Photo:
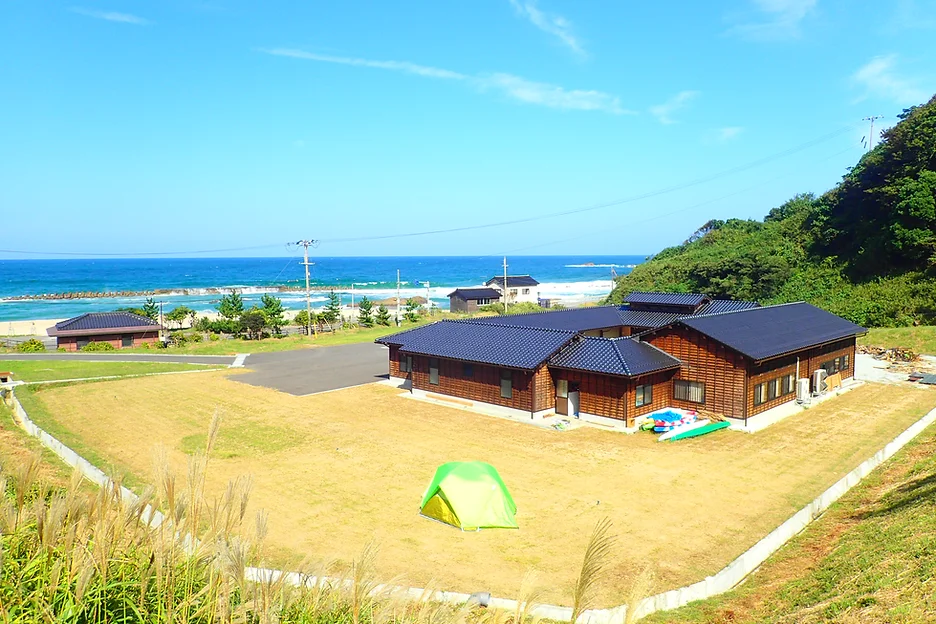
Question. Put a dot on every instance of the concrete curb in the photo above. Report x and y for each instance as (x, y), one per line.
(723, 581)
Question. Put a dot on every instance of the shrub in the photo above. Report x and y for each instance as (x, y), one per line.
(93, 346)
(178, 339)
(196, 337)
(214, 337)
(203, 324)
(33, 345)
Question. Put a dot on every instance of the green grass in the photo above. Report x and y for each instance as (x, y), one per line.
(51, 370)
(30, 397)
(287, 343)
(920, 339)
(15, 444)
(870, 558)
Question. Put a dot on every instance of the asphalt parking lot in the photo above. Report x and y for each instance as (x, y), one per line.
(308, 371)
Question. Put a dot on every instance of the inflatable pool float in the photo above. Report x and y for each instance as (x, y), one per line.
(694, 433)
(681, 429)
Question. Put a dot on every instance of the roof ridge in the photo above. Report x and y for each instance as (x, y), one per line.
(474, 322)
(751, 309)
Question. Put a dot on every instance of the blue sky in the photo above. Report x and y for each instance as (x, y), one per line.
(135, 126)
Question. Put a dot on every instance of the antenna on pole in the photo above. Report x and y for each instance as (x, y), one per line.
(305, 244)
(871, 131)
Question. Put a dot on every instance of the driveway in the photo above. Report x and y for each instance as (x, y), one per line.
(221, 360)
(307, 371)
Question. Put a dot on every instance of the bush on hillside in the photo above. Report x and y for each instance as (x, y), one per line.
(33, 345)
(524, 307)
(93, 347)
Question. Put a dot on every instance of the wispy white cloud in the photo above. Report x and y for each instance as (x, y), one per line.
(555, 25)
(111, 16)
(514, 87)
(879, 78)
(723, 135)
(664, 112)
(773, 20)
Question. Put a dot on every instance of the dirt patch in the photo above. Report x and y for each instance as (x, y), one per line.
(355, 464)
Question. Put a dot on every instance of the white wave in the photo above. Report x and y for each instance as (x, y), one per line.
(599, 266)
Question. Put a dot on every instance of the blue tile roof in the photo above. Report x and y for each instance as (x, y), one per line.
(475, 293)
(625, 357)
(576, 319)
(771, 331)
(646, 318)
(717, 306)
(484, 343)
(105, 321)
(512, 280)
(660, 298)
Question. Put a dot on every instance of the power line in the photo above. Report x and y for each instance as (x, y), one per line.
(670, 189)
(138, 253)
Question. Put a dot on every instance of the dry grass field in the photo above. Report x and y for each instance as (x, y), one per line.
(339, 469)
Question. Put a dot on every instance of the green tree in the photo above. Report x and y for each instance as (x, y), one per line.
(150, 309)
(365, 319)
(252, 323)
(179, 314)
(412, 311)
(231, 306)
(272, 309)
(332, 311)
(383, 315)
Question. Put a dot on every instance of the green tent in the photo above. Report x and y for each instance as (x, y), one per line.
(470, 496)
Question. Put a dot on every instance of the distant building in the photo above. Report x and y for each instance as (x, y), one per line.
(121, 329)
(520, 288)
(470, 299)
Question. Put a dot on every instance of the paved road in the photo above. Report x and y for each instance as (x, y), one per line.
(308, 371)
(223, 360)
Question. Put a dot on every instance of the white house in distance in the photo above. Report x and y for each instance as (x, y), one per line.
(520, 288)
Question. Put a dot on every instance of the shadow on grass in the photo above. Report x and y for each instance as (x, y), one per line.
(915, 492)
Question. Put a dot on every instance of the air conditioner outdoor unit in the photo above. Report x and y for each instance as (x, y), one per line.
(802, 391)
(818, 381)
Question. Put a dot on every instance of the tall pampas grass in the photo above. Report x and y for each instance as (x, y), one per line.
(594, 565)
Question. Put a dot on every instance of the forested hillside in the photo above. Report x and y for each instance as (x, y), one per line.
(865, 249)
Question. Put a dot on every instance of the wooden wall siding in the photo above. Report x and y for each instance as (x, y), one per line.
(461, 305)
(722, 370)
(70, 343)
(662, 394)
(395, 362)
(609, 332)
(809, 361)
(482, 386)
(601, 395)
(544, 390)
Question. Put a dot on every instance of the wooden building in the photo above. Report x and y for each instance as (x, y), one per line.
(617, 363)
(120, 329)
(471, 299)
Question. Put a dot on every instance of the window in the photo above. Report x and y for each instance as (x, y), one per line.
(506, 379)
(832, 366)
(82, 342)
(759, 392)
(434, 371)
(787, 385)
(772, 389)
(467, 370)
(562, 389)
(484, 302)
(692, 391)
(126, 341)
(406, 363)
(526, 291)
(845, 362)
(644, 395)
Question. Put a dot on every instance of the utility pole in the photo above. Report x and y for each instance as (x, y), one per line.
(428, 301)
(871, 131)
(307, 264)
(505, 284)
(398, 297)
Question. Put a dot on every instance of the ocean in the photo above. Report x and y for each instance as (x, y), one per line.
(195, 282)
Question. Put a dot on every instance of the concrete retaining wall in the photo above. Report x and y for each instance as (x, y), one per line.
(721, 582)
